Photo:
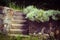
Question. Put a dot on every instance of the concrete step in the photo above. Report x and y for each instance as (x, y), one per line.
(18, 35)
(16, 27)
(18, 14)
(18, 21)
(18, 17)
(18, 24)
(16, 30)
(20, 27)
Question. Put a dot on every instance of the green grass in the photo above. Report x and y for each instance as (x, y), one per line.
(31, 37)
(15, 7)
(6, 37)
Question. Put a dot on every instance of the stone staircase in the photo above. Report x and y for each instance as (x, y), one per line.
(18, 24)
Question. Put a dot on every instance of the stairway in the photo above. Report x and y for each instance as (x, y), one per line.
(18, 23)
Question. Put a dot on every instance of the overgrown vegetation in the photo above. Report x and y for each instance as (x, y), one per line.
(40, 15)
(14, 6)
(31, 37)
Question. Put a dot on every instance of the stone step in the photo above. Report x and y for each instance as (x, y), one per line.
(18, 24)
(18, 14)
(16, 27)
(18, 17)
(20, 27)
(19, 30)
(18, 21)
(16, 35)
(16, 31)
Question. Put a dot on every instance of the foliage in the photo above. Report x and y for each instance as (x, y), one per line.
(34, 14)
(14, 6)
(31, 37)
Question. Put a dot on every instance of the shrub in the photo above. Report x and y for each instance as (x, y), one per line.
(40, 15)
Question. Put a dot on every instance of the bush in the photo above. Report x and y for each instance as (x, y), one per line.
(40, 15)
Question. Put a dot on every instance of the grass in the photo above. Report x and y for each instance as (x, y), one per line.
(31, 37)
(6, 37)
(26, 37)
(15, 7)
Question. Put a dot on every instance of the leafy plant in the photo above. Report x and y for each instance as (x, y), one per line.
(34, 14)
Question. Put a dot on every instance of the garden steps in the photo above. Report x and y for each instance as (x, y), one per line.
(17, 22)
